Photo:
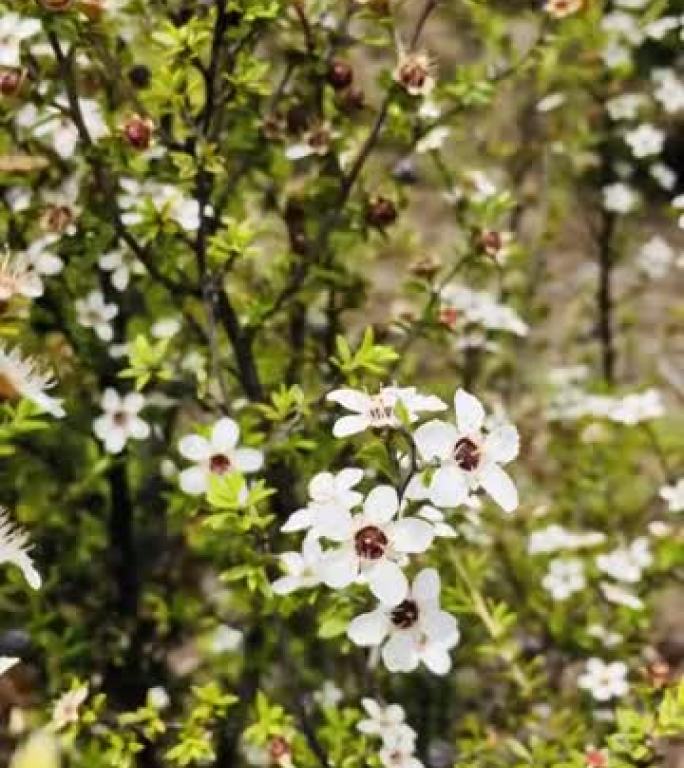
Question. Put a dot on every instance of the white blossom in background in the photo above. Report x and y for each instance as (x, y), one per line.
(673, 495)
(54, 126)
(619, 198)
(379, 410)
(374, 545)
(413, 631)
(646, 140)
(608, 639)
(435, 517)
(468, 458)
(157, 697)
(7, 662)
(398, 750)
(638, 407)
(14, 29)
(564, 578)
(669, 90)
(95, 312)
(433, 140)
(551, 102)
(25, 377)
(655, 258)
(18, 278)
(215, 456)
(328, 695)
(166, 327)
(225, 639)
(66, 710)
(626, 563)
(329, 494)
(622, 27)
(658, 29)
(120, 265)
(620, 596)
(41, 260)
(604, 681)
(626, 106)
(481, 308)
(301, 569)
(120, 421)
(18, 198)
(14, 549)
(664, 176)
(381, 719)
(169, 201)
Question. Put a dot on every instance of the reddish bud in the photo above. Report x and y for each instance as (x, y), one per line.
(138, 132)
(340, 74)
(381, 212)
(11, 80)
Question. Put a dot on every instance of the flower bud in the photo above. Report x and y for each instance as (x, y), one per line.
(351, 99)
(11, 80)
(381, 212)
(138, 131)
(340, 74)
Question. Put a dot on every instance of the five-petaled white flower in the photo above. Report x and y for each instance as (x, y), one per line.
(564, 578)
(215, 456)
(25, 377)
(328, 493)
(14, 549)
(301, 569)
(398, 749)
(120, 421)
(415, 629)
(645, 140)
(14, 29)
(381, 719)
(67, 707)
(626, 563)
(619, 198)
(468, 458)
(96, 313)
(674, 495)
(374, 546)
(604, 681)
(379, 410)
(120, 266)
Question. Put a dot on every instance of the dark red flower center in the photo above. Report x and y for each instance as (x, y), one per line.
(467, 454)
(120, 418)
(370, 542)
(220, 464)
(413, 74)
(405, 615)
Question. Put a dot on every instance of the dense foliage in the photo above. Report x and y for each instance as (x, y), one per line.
(341, 420)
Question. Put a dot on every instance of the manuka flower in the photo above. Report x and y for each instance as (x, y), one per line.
(604, 681)
(301, 569)
(215, 456)
(379, 410)
(96, 313)
(120, 421)
(374, 546)
(564, 578)
(412, 631)
(18, 278)
(14, 549)
(24, 377)
(468, 457)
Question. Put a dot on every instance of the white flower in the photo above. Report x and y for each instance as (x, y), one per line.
(24, 377)
(554, 538)
(619, 198)
(18, 198)
(374, 546)
(550, 102)
(609, 639)
(59, 129)
(379, 410)
(120, 421)
(660, 28)
(433, 140)
(165, 328)
(637, 407)
(329, 493)
(614, 54)
(301, 569)
(604, 681)
(559, 9)
(67, 706)
(625, 106)
(435, 517)
(468, 458)
(157, 697)
(167, 200)
(7, 662)
(645, 140)
(632, 5)
(564, 578)
(94, 312)
(626, 563)
(381, 719)
(120, 265)
(414, 72)
(615, 594)
(481, 308)
(18, 278)
(14, 29)
(664, 175)
(215, 456)
(328, 695)
(622, 26)
(398, 750)
(415, 629)
(669, 90)
(40, 259)
(14, 549)
(674, 495)
(655, 257)
(225, 639)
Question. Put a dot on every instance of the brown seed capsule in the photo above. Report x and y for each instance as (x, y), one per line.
(352, 99)
(57, 218)
(381, 212)
(138, 131)
(340, 74)
(11, 80)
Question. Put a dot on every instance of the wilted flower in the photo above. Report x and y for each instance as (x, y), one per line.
(415, 73)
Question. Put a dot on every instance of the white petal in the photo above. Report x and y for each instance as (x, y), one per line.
(469, 412)
(286, 584)
(399, 653)
(369, 628)
(248, 459)
(499, 486)
(334, 523)
(338, 569)
(224, 435)
(411, 535)
(441, 627)
(322, 485)
(449, 486)
(351, 399)
(299, 521)
(28, 569)
(436, 658)
(436, 439)
(349, 425)
(193, 480)
(133, 402)
(194, 448)
(426, 586)
(348, 478)
(110, 400)
(502, 445)
(139, 429)
(387, 582)
(7, 662)
(381, 504)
